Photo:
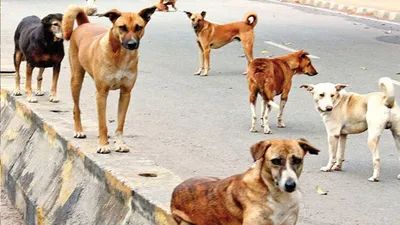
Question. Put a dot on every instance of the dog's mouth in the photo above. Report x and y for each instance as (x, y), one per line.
(327, 110)
(311, 74)
(58, 36)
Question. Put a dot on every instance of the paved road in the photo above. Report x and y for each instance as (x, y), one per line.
(199, 125)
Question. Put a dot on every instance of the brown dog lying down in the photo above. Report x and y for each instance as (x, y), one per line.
(213, 36)
(265, 194)
(162, 5)
(272, 77)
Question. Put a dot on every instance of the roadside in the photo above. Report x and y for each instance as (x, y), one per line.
(9, 215)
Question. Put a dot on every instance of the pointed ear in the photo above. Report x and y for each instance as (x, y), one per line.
(113, 15)
(203, 14)
(309, 87)
(189, 14)
(302, 54)
(340, 87)
(147, 13)
(258, 150)
(307, 147)
(47, 19)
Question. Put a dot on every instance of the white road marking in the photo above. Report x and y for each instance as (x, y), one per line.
(287, 48)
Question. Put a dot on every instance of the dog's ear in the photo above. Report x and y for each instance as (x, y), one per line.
(258, 149)
(307, 147)
(47, 19)
(58, 16)
(147, 13)
(113, 15)
(309, 87)
(302, 54)
(340, 87)
(203, 14)
(189, 14)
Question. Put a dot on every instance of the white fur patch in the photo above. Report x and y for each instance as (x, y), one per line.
(116, 79)
(286, 210)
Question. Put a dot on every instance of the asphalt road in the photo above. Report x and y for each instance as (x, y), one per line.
(200, 125)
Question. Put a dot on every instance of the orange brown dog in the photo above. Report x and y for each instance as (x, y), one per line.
(272, 77)
(213, 36)
(266, 194)
(110, 56)
(162, 5)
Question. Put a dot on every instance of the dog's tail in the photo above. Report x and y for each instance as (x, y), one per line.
(386, 85)
(73, 13)
(247, 19)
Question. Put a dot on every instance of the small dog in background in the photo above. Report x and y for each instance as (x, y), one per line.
(213, 36)
(162, 5)
(350, 113)
(272, 77)
(39, 42)
(265, 194)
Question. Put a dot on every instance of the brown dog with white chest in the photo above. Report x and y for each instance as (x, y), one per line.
(266, 194)
(213, 36)
(110, 57)
(272, 77)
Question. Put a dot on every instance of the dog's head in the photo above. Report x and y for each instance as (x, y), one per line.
(197, 20)
(128, 28)
(301, 63)
(325, 95)
(52, 22)
(282, 161)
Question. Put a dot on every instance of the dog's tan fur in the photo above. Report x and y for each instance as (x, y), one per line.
(272, 77)
(266, 194)
(350, 113)
(110, 57)
(162, 5)
(213, 36)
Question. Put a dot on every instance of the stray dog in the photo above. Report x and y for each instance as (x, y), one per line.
(272, 77)
(162, 5)
(350, 113)
(213, 36)
(40, 43)
(110, 56)
(265, 194)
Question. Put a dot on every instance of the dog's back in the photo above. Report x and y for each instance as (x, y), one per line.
(25, 29)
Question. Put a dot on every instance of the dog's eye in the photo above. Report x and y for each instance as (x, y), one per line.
(193, 19)
(322, 95)
(138, 28)
(296, 160)
(332, 95)
(123, 28)
(55, 24)
(277, 161)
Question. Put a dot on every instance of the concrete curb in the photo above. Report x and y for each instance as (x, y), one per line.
(362, 11)
(53, 180)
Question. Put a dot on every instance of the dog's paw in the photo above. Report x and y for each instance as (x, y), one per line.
(373, 179)
(326, 169)
(17, 93)
(204, 74)
(53, 99)
(39, 93)
(104, 149)
(32, 99)
(281, 125)
(253, 130)
(337, 167)
(198, 72)
(267, 131)
(244, 73)
(79, 135)
(122, 148)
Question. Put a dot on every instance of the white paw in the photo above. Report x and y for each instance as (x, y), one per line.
(398, 177)
(32, 99)
(39, 93)
(253, 130)
(281, 125)
(204, 74)
(79, 135)
(122, 147)
(104, 149)
(267, 131)
(326, 169)
(373, 179)
(198, 72)
(17, 93)
(337, 167)
(53, 99)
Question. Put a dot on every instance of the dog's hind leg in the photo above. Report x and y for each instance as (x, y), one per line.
(39, 79)
(340, 153)
(201, 56)
(77, 75)
(253, 100)
(28, 84)
(17, 63)
(267, 129)
(282, 104)
(396, 135)
(53, 93)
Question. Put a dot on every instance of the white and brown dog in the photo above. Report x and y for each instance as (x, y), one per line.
(350, 113)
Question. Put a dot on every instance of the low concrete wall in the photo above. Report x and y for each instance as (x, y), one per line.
(53, 180)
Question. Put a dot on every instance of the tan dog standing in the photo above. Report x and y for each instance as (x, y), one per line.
(272, 77)
(350, 113)
(266, 194)
(162, 5)
(110, 56)
(213, 36)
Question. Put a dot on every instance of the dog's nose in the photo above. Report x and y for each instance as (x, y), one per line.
(132, 44)
(329, 108)
(290, 185)
(315, 73)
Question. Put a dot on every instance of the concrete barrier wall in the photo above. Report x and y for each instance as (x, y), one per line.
(53, 182)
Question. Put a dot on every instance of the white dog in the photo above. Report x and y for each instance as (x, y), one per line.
(350, 113)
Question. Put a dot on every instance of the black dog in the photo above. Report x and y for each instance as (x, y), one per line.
(40, 43)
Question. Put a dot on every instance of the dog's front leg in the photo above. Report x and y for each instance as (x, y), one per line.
(333, 141)
(207, 51)
(28, 84)
(201, 56)
(53, 93)
(340, 153)
(101, 97)
(124, 99)
(39, 79)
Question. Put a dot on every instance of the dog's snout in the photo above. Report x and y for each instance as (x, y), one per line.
(195, 26)
(329, 108)
(316, 73)
(132, 44)
(290, 185)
